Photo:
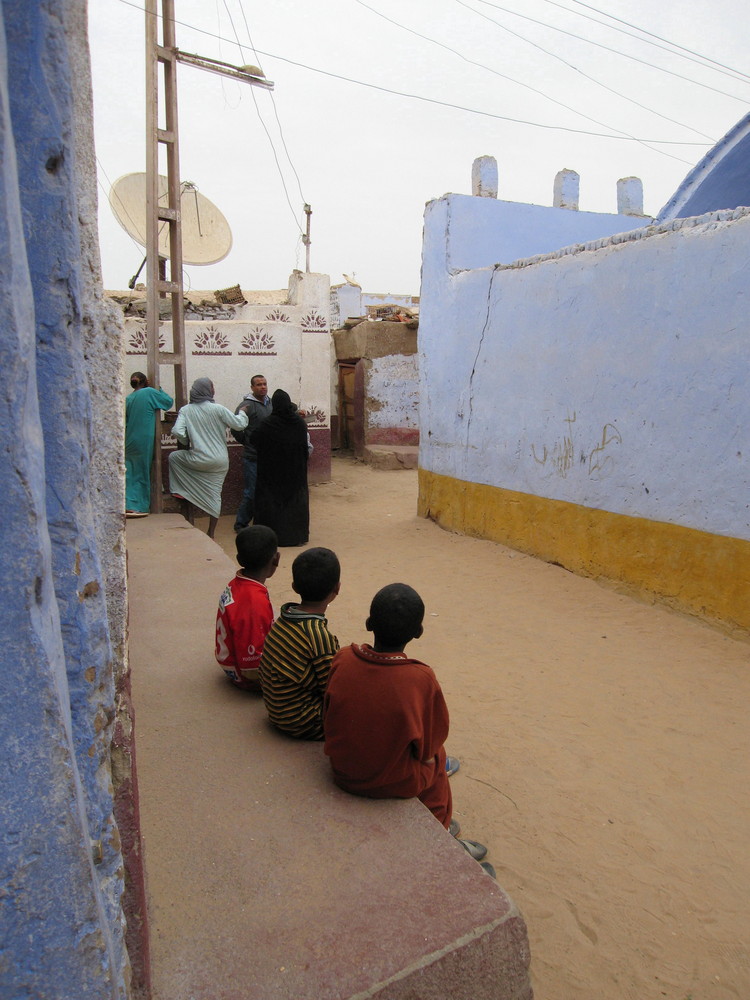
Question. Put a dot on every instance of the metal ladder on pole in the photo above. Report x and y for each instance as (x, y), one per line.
(165, 55)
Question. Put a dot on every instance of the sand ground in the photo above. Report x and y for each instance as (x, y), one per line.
(603, 744)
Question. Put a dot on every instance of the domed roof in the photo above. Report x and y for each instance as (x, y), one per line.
(720, 181)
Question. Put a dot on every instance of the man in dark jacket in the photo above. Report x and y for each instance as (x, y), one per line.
(257, 405)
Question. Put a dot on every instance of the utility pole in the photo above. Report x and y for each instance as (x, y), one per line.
(165, 55)
(306, 238)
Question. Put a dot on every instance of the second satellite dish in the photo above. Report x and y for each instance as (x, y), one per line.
(206, 236)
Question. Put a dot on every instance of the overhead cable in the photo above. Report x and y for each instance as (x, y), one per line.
(702, 60)
(601, 45)
(430, 100)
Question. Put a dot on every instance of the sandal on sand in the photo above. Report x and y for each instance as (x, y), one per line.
(455, 828)
(136, 513)
(452, 764)
(488, 868)
(474, 848)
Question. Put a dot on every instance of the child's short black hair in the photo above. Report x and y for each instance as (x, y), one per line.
(315, 573)
(256, 547)
(396, 615)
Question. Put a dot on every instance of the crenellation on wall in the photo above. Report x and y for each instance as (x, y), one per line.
(484, 182)
(566, 190)
(630, 196)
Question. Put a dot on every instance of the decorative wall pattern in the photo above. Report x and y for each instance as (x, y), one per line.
(277, 316)
(313, 322)
(137, 340)
(258, 342)
(316, 416)
(212, 341)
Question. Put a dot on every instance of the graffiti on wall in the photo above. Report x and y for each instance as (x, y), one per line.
(598, 458)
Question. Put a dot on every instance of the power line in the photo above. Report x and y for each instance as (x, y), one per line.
(600, 45)
(262, 122)
(700, 59)
(432, 100)
(275, 110)
(527, 86)
(576, 69)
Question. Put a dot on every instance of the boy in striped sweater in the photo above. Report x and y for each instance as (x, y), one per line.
(299, 648)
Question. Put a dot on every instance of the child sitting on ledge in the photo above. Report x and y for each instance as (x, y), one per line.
(245, 614)
(385, 716)
(299, 648)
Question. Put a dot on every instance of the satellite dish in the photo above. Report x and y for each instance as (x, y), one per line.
(206, 236)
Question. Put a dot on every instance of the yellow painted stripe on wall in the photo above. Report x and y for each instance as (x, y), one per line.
(693, 571)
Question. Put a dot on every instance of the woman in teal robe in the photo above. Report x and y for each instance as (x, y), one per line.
(141, 407)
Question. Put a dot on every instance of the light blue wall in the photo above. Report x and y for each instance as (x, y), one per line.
(612, 375)
(60, 864)
(484, 231)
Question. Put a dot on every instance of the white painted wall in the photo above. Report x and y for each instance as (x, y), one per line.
(289, 343)
(615, 376)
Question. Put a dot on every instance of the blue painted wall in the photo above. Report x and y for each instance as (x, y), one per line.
(60, 863)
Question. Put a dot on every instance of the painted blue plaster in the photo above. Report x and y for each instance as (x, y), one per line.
(611, 375)
(720, 181)
(60, 921)
(484, 232)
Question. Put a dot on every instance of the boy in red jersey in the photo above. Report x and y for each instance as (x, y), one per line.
(245, 615)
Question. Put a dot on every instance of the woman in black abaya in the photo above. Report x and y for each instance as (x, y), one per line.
(281, 498)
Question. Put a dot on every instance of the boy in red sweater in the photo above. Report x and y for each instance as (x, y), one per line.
(245, 615)
(385, 717)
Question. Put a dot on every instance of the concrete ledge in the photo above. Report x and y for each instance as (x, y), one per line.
(264, 879)
(391, 456)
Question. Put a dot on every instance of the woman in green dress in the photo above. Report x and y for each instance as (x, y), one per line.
(141, 407)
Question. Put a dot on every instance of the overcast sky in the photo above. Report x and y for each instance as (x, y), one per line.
(368, 160)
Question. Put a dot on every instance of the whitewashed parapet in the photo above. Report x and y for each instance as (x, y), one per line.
(710, 220)
(292, 352)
